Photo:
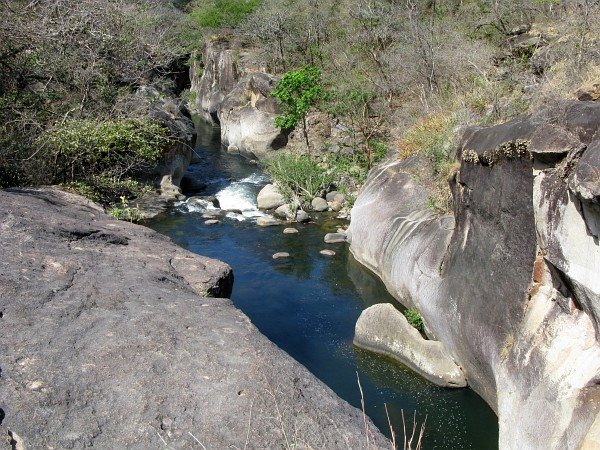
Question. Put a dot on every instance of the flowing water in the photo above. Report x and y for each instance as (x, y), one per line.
(308, 304)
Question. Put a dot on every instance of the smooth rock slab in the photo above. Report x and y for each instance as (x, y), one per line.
(111, 343)
(269, 197)
(334, 238)
(383, 329)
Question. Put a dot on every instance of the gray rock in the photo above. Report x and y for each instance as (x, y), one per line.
(383, 329)
(279, 255)
(302, 216)
(334, 206)
(233, 149)
(269, 197)
(327, 252)
(114, 344)
(212, 222)
(285, 212)
(509, 262)
(267, 221)
(290, 231)
(319, 204)
(334, 238)
(335, 196)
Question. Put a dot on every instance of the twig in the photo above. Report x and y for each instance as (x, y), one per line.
(196, 439)
(391, 428)
(161, 438)
(249, 422)
(362, 404)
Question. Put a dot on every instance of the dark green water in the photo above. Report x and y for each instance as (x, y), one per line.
(308, 305)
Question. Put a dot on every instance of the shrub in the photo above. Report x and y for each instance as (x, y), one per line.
(222, 13)
(299, 177)
(414, 319)
(83, 149)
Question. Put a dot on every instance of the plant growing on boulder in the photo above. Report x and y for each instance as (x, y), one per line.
(297, 91)
(415, 319)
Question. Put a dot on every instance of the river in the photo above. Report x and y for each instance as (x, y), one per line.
(308, 304)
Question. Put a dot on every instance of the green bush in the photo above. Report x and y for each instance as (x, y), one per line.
(298, 176)
(83, 149)
(414, 319)
(222, 13)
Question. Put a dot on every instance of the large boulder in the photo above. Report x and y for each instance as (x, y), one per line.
(269, 197)
(247, 117)
(508, 282)
(112, 341)
(383, 329)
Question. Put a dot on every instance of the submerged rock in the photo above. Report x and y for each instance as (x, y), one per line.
(212, 222)
(383, 329)
(279, 255)
(290, 231)
(334, 238)
(267, 221)
(327, 252)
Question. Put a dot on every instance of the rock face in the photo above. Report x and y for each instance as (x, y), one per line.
(383, 329)
(509, 282)
(110, 341)
(238, 101)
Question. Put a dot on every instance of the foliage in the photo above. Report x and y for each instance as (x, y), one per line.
(84, 148)
(124, 211)
(432, 137)
(298, 176)
(221, 13)
(107, 190)
(297, 91)
(415, 319)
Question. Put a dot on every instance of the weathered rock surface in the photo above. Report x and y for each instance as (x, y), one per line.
(108, 342)
(269, 197)
(383, 329)
(508, 283)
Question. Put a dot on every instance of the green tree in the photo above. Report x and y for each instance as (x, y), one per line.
(298, 91)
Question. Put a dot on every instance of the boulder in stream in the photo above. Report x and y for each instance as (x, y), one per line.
(383, 329)
(269, 197)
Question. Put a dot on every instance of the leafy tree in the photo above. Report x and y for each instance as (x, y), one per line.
(298, 91)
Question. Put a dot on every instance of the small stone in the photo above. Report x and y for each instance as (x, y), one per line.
(319, 204)
(335, 196)
(267, 221)
(35, 385)
(281, 255)
(211, 214)
(327, 252)
(290, 231)
(302, 216)
(335, 206)
(284, 211)
(212, 222)
(334, 238)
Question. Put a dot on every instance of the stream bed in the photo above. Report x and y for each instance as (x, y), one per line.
(308, 304)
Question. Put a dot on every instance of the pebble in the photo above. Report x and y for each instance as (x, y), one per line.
(327, 252)
(334, 238)
(281, 255)
(290, 231)
(212, 222)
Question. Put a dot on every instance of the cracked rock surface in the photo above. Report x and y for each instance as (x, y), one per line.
(109, 340)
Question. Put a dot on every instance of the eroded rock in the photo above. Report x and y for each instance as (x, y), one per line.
(383, 329)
